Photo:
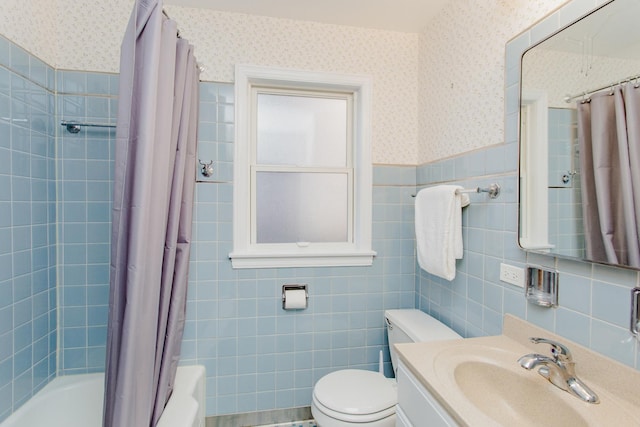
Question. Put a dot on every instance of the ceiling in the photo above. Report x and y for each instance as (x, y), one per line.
(409, 16)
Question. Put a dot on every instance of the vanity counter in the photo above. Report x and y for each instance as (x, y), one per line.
(479, 382)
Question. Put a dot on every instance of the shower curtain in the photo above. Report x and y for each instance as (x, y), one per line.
(609, 139)
(152, 214)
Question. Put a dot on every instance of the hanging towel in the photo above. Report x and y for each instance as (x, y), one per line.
(439, 229)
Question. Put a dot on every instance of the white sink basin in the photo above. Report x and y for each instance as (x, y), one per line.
(490, 385)
(510, 398)
(480, 383)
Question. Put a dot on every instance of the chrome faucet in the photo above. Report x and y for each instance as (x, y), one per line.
(559, 369)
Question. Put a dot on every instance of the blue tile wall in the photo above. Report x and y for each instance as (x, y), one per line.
(565, 200)
(594, 299)
(27, 227)
(54, 244)
(84, 186)
(562, 137)
(55, 191)
(258, 356)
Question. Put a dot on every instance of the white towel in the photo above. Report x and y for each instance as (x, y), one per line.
(439, 229)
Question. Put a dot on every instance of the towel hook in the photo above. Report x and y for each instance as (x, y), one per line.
(207, 168)
(493, 190)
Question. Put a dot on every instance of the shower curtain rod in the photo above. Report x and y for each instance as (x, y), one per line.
(200, 66)
(166, 15)
(570, 98)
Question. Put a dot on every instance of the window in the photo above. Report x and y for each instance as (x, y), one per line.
(302, 169)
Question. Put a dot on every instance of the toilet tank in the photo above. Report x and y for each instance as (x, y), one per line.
(411, 325)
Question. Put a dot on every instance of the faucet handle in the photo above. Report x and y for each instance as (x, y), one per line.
(559, 351)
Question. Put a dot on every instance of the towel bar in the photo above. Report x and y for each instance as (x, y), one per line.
(493, 190)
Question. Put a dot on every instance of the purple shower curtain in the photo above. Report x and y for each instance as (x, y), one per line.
(152, 214)
(609, 139)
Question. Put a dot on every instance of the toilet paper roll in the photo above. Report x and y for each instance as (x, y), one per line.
(295, 299)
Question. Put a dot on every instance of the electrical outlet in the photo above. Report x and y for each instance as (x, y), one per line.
(512, 274)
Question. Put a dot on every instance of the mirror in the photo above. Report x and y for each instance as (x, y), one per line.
(576, 199)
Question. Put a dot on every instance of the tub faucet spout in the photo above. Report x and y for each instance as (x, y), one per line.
(559, 369)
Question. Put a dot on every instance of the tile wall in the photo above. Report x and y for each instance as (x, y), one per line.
(594, 300)
(562, 123)
(258, 356)
(473, 303)
(565, 200)
(27, 227)
(84, 188)
(55, 190)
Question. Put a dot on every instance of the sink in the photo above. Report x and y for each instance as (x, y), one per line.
(479, 383)
(511, 398)
(483, 385)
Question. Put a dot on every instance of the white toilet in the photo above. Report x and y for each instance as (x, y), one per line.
(355, 397)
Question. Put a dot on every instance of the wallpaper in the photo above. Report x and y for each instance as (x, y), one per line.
(462, 73)
(225, 39)
(89, 33)
(436, 94)
(31, 24)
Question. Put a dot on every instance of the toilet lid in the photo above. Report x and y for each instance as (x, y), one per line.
(356, 392)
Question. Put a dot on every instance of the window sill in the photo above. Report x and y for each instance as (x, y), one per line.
(284, 260)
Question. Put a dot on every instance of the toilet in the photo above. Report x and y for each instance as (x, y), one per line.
(355, 397)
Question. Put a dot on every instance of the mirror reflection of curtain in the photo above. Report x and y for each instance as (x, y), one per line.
(609, 138)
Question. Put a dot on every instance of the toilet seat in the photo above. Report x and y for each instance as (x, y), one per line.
(354, 395)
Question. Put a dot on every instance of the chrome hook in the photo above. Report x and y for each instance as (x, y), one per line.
(207, 168)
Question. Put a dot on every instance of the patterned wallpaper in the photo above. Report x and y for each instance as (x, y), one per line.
(458, 62)
(31, 24)
(89, 33)
(462, 73)
(225, 39)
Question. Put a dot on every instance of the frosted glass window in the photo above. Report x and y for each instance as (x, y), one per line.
(302, 207)
(302, 179)
(301, 130)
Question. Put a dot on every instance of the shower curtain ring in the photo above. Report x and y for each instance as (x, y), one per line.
(636, 85)
(585, 99)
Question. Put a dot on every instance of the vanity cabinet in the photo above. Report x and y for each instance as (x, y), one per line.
(416, 406)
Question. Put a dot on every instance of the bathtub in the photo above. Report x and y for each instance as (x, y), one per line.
(76, 401)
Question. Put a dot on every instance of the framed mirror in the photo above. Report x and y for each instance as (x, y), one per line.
(579, 135)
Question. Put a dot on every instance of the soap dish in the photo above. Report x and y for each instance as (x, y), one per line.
(542, 286)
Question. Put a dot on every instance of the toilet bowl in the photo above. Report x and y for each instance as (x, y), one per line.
(355, 397)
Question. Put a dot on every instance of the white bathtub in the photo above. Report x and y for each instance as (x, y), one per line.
(76, 401)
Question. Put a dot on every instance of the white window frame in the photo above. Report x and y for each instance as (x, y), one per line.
(358, 252)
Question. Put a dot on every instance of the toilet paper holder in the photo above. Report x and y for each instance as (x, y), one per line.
(286, 288)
